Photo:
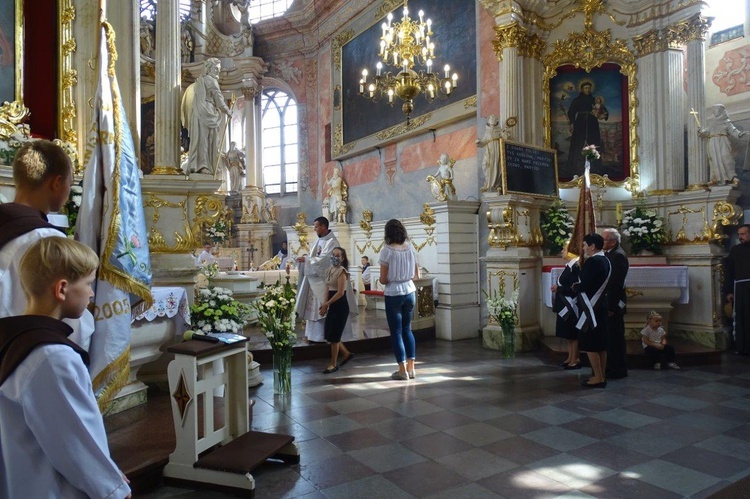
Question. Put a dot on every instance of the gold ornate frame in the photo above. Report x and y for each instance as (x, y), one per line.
(12, 113)
(67, 76)
(588, 50)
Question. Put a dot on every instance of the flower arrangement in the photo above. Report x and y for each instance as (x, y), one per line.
(644, 230)
(72, 206)
(276, 315)
(503, 309)
(557, 227)
(216, 311)
(218, 232)
(209, 270)
(590, 153)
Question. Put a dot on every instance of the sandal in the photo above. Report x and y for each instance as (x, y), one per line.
(330, 370)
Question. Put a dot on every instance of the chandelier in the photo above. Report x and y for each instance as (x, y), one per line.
(403, 45)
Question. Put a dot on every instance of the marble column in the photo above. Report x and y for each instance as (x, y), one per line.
(510, 91)
(198, 20)
(672, 98)
(253, 175)
(167, 112)
(648, 131)
(696, 96)
(125, 19)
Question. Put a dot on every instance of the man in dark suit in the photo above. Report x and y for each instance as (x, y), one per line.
(616, 348)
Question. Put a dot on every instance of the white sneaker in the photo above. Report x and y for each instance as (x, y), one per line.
(672, 365)
(657, 366)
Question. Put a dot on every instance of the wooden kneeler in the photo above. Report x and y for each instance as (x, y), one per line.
(219, 457)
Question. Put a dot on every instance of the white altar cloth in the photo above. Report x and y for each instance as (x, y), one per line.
(171, 302)
(639, 276)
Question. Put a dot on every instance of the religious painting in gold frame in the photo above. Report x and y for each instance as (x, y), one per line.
(11, 50)
(583, 53)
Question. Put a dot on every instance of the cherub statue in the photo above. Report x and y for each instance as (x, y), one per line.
(441, 184)
(719, 149)
(269, 210)
(338, 193)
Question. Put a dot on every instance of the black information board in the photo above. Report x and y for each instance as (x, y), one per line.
(528, 169)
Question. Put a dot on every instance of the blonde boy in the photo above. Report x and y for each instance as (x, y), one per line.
(654, 341)
(52, 437)
(43, 174)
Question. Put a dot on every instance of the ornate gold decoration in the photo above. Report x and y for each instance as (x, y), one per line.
(470, 102)
(365, 223)
(301, 229)
(681, 237)
(503, 227)
(67, 76)
(386, 7)
(338, 141)
(647, 43)
(404, 127)
(601, 181)
(156, 202)
(12, 114)
(588, 50)
(698, 28)
(514, 35)
(339, 41)
(673, 36)
(425, 302)
(337, 105)
(427, 217)
(632, 293)
(724, 214)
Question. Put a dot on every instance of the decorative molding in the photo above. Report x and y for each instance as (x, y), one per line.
(386, 7)
(311, 75)
(12, 115)
(470, 102)
(339, 41)
(404, 127)
(67, 75)
(338, 141)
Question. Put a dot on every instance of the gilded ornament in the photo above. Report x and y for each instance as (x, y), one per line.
(365, 223)
(67, 110)
(410, 125)
(681, 237)
(12, 115)
(588, 50)
(338, 42)
(427, 217)
(470, 102)
(425, 302)
(338, 141)
(386, 7)
(724, 214)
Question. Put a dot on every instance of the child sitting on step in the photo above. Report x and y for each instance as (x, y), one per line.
(654, 341)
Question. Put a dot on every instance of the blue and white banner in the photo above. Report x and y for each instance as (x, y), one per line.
(111, 221)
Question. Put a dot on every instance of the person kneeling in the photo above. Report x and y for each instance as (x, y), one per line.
(654, 341)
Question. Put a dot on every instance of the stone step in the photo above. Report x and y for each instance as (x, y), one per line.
(687, 353)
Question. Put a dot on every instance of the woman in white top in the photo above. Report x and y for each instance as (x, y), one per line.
(398, 266)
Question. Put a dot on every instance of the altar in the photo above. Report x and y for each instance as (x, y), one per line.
(648, 287)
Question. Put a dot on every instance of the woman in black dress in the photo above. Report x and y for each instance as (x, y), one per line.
(567, 311)
(336, 308)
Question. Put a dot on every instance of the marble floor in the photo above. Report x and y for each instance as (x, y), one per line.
(473, 425)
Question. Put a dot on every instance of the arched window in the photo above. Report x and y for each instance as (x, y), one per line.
(266, 9)
(280, 142)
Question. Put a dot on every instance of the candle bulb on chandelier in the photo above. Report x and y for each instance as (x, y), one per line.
(378, 68)
(385, 28)
(364, 75)
(382, 48)
(390, 18)
(429, 65)
(447, 70)
(454, 80)
(432, 50)
(448, 87)
(372, 90)
(421, 15)
(361, 86)
(390, 96)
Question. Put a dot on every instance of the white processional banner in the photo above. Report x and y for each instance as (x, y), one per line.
(111, 221)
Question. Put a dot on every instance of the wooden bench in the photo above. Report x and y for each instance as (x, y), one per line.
(222, 457)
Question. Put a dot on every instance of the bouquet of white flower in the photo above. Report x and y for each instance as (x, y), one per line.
(218, 232)
(276, 316)
(502, 309)
(590, 152)
(644, 230)
(557, 226)
(216, 311)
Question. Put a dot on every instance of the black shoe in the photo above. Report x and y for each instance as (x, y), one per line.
(586, 384)
(571, 367)
(329, 370)
(563, 364)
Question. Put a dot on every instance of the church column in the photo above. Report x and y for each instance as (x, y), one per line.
(509, 38)
(696, 95)
(250, 111)
(167, 112)
(198, 20)
(125, 19)
(673, 99)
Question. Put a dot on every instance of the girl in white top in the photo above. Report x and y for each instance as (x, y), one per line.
(398, 266)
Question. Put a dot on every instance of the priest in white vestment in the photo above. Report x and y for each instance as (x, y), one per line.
(312, 290)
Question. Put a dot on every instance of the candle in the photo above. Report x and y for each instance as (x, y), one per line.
(379, 68)
(447, 70)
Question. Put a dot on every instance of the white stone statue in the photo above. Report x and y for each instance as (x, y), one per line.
(187, 43)
(270, 211)
(201, 109)
(236, 167)
(491, 161)
(441, 184)
(719, 149)
(338, 194)
(147, 38)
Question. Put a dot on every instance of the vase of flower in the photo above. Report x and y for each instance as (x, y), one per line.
(509, 341)
(282, 372)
